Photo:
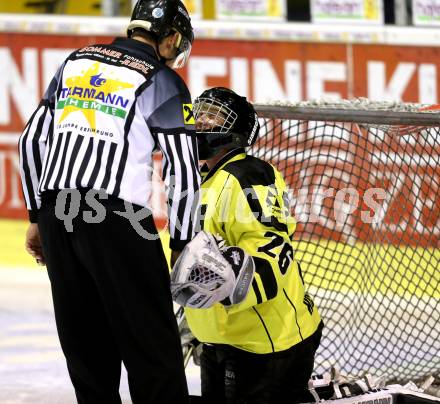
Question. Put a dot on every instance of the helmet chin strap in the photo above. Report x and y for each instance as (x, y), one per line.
(161, 58)
(165, 60)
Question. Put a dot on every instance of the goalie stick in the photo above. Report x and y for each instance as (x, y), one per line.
(185, 336)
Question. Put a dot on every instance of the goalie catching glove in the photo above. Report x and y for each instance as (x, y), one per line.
(207, 272)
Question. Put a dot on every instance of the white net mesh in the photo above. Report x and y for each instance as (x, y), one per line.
(367, 203)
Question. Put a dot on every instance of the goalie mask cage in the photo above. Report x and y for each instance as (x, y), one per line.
(364, 187)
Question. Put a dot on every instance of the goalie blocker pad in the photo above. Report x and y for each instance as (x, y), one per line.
(244, 267)
(207, 273)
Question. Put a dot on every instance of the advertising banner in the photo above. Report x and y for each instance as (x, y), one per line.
(194, 8)
(251, 9)
(347, 11)
(264, 71)
(426, 12)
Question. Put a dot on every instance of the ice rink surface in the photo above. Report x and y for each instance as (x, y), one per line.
(32, 366)
(33, 370)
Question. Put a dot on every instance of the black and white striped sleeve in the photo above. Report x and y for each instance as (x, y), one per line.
(32, 147)
(177, 141)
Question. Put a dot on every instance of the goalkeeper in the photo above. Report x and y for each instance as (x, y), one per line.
(243, 292)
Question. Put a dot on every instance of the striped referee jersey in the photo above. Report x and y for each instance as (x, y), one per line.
(108, 108)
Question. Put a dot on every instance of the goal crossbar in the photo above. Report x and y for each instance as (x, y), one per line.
(376, 117)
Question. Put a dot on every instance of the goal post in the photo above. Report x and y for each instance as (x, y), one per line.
(364, 187)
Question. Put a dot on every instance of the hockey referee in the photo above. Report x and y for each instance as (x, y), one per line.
(86, 159)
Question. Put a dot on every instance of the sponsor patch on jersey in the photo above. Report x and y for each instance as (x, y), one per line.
(188, 114)
(93, 92)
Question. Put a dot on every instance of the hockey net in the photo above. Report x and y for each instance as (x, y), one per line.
(364, 187)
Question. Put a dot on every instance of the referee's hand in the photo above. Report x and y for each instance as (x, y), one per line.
(33, 244)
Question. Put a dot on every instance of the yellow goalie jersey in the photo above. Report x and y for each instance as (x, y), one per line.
(243, 200)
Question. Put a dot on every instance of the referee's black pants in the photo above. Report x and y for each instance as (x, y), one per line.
(112, 301)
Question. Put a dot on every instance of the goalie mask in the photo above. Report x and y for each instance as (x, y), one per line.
(224, 120)
(162, 18)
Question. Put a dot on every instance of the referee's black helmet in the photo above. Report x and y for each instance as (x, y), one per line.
(161, 18)
(224, 120)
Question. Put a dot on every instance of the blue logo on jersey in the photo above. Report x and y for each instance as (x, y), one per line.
(96, 81)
